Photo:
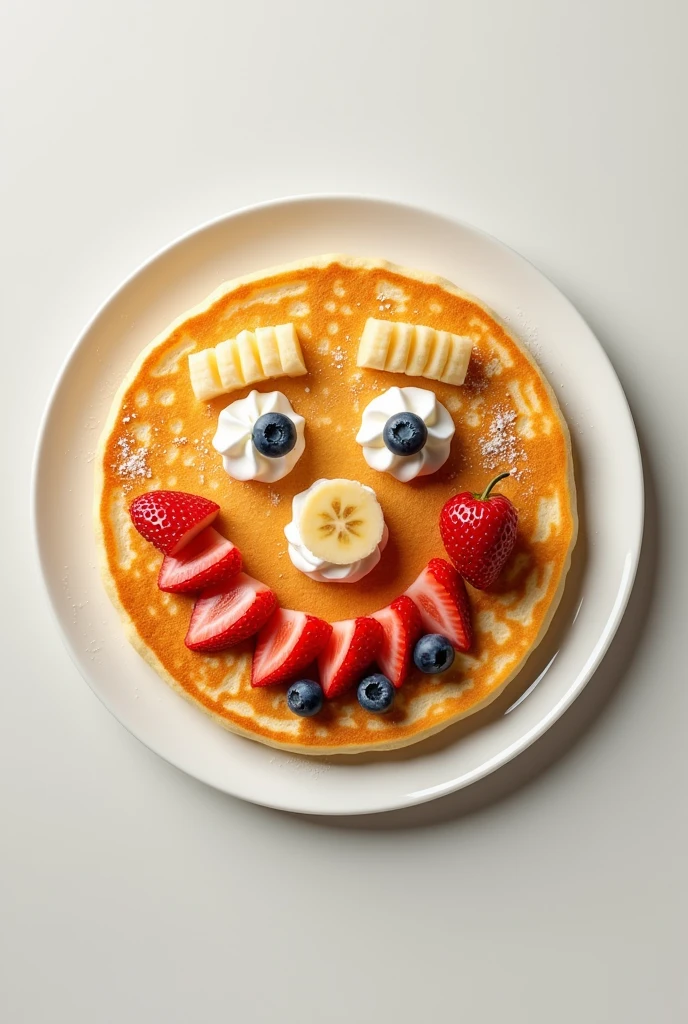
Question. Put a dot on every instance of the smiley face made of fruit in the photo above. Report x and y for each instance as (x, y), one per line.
(342, 522)
(337, 535)
(309, 452)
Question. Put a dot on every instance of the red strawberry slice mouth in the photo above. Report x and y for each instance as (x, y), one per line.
(401, 622)
(233, 606)
(440, 595)
(193, 532)
(288, 642)
(207, 560)
(336, 652)
(227, 614)
(352, 646)
(171, 519)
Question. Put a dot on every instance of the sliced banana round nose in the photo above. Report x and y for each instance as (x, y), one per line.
(341, 521)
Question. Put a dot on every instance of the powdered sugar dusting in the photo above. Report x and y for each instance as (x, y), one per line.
(500, 446)
(132, 461)
(338, 357)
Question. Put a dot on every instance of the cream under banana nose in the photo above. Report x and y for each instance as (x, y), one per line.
(337, 531)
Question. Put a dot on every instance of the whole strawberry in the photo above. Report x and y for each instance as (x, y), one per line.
(479, 533)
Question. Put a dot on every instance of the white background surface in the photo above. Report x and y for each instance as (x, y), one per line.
(552, 891)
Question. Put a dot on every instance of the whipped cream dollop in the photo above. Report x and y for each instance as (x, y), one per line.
(423, 403)
(317, 569)
(234, 438)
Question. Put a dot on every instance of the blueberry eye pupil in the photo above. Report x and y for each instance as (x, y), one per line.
(405, 433)
(274, 435)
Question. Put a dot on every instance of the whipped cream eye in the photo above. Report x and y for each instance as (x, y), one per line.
(260, 437)
(406, 432)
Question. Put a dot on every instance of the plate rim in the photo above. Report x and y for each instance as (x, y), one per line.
(605, 637)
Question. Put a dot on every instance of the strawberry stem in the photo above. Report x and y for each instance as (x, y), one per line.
(486, 493)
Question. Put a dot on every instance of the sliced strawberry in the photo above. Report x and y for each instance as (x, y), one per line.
(352, 646)
(440, 596)
(285, 645)
(226, 614)
(402, 624)
(207, 560)
(171, 519)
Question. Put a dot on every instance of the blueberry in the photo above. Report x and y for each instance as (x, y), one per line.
(405, 433)
(433, 654)
(274, 435)
(376, 693)
(305, 698)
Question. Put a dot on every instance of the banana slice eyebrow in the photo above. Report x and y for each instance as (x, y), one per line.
(250, 357)
(415, 350)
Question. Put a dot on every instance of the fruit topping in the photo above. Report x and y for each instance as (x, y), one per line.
(414, 349)
(171, 519)
(274, 435)
(440, 595)
(205, 561)
(225, 615)
(250, 357)
(433, 654)
(375, 693)
(287, 643)
(320, 569)
(405, 433)
(402, 626)
(479, 533)
(352, 646)
(341, 521)
(305, 698)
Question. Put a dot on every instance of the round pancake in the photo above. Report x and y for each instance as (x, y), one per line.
(158, 435)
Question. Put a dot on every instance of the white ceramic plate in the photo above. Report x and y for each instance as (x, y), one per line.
(607, 464)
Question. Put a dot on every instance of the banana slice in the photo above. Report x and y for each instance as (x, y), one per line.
(205, 376)
(250, 357)
(251, 369)
(439, 353)
(374, 344)
(457, 362)
(400, 348)
(266, 340)
(414, 349)
(291, 356)
(341, 521)
(421, 351)
(229, 366)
